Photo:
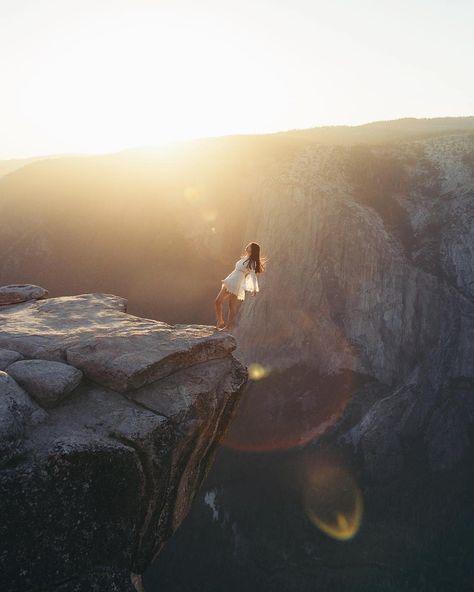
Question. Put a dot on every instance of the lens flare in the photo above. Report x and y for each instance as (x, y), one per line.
(257, 371)
(333, 501)
(287, 409)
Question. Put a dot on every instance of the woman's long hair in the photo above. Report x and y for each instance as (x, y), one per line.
(255, 261)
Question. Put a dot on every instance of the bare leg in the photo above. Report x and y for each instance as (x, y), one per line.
(219, 301)
(232, 311)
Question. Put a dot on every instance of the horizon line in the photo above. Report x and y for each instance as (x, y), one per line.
(231, 135)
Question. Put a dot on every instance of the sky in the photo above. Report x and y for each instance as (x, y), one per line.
(94, 76)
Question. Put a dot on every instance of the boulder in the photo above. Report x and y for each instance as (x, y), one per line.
(21, 293)
(7, 357)
(47, 382)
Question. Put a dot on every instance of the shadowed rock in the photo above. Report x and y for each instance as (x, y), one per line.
(17, 411)
(7, 357)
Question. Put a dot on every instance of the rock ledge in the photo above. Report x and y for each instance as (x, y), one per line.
(105, 441)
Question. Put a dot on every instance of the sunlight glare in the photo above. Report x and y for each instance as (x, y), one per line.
(134, 83)
(257, 371)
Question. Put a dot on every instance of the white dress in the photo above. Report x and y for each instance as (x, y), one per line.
(242, 279)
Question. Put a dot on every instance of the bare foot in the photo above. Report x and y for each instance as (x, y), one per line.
(220, 325)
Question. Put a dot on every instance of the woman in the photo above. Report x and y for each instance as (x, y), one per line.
(234, 286)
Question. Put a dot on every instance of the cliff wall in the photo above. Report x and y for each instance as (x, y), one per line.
(372, 272)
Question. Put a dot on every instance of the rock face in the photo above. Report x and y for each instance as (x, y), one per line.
(380, 282)
(92, 487)
(17, 413)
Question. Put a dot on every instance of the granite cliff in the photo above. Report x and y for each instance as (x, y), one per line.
(109, 424)
(378, 282)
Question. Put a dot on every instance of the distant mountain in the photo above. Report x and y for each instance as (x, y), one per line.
(397, 130)
(12, 164)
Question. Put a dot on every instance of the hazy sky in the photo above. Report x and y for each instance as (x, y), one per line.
(101, 75)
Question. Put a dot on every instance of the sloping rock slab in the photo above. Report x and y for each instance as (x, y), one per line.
(92, 332)
(7, 357)
(47, 382)
(21, 293)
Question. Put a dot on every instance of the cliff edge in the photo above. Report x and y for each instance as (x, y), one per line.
(108, 426)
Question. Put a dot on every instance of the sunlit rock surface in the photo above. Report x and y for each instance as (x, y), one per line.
(91, 488)
(372, 271)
